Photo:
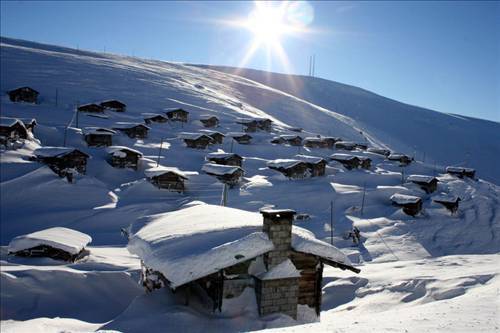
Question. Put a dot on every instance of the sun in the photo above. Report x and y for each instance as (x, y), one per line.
(267, 23)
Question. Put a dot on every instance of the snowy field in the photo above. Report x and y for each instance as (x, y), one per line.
(430, 273)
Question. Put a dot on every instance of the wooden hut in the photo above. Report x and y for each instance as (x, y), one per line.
(209, 120)
(426, 183)
(154, 118)
(379, 151)
(449, 202)
(24, 94)
(113, 105)
(278, 140)
(236, 249)
(56, 243)
(295, 129)
(411, 205)
(292, 140)
(123, 157)
(315, 142)
(168, 178)
(91, 107)
(132, 130)
(97, 136)
(29, 123)
(227, 174)
(361, 146)
(62, 160)
(177, 114)
(365, 162)
(196, 140)
(254, 124)
(403, 159)
(348, 161)
(217, 137)
(295, 169)
(13, 129)
(345, 145)
(461, 172)
(241, 138)
(223, 158)
(316, 165)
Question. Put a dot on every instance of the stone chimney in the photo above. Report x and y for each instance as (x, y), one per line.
(278, 227)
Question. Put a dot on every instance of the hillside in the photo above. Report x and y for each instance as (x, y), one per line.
(447, 264)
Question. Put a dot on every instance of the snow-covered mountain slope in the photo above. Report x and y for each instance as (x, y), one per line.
(445, 139)
(107, 199)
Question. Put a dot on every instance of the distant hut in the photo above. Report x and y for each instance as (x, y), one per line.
(24, 94)
(379, 151)
(348, 161)
(56, 243)
(217, 137)
(278, 140)
(91, 107)
(123, 157)
(411, 205)
(345, 145)
(154, 118)
(97, 136)
(290, 168)
(223, 158)
(264, 124)
(209, 120)
(449, 202)
(13, 129)
(254, 124)
(168, 178)
(292, 140)
(241, 138)
(295, 129)
(426, 183)
(114, 105)
(132, 130)
(461, 172)
(330, 141)
(196, 140)
(316, 165)
(228, 174)
(403, 159)
(177, 114)
(315, 142)
(62, 160)
(365, 162)
(361, 146)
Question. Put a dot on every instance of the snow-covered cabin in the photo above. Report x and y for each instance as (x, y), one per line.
(123, 157)
(222, 251)
(177, 114)
(56, 243)
(289, 167)
(169, 178)
(316, 165)
(217, 137)
(330, 141)
(23, 94)
(315, 142)
(13, 128)
(426, 183)
(403, 159)
(461, 172)
(379, 151)
(278, 140)
(365, 162)
(290, 139)
(62, 159)
(345, 145)
(209, 120)
(410, 204)
(223, 158)
(196, 140)
(154, 118)
(98, 136)
(228, 174)
(114, 105)
(254, 124)
(241, 138)
(449, 202)
(132, 130)
(91, 107)
(348, 161)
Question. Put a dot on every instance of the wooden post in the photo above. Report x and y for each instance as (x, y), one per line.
(159, 153)
(363, 200)
(331, 222)
(224, 196)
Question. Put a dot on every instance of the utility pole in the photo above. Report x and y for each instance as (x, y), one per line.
(159, 153)
(224, 196)
(363, 200)
(331, 222)
(77, 113)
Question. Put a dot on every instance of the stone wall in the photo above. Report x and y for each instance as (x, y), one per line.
(278, 227)
(277, 296)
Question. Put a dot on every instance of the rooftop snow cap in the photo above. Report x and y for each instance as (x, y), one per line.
(278, 227)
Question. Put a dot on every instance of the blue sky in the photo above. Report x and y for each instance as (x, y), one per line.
(440, 55)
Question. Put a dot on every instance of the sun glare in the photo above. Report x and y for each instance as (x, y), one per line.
(267, 23)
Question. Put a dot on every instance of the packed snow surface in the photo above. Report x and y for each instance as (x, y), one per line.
(284, 270)
(420, 178)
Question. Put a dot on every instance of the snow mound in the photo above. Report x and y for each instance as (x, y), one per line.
(284, 270)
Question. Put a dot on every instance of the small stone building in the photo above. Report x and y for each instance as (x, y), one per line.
(123, 157)
(241, 138)
(209, 120)
(316, 165)
(461, 172)
(177, 114)
(410, 204)
(345, 145)
(13, 129)
(132, 130)
(196, 140)
(114, 105)
(379, 151)
(24, 94)
(403, 159)
(217, 137)
(348, 161)
(227, 174)
(154, 118)
(91, 107)
(97, 136)
(294, 169)
(168, 178)
(449, 202)
(426, 183)
(223, 158)
(62, 160)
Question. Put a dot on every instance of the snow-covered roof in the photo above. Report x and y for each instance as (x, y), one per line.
(346, 143)
(397, 156)
(220, 170)
(237, 134)
(114, 149)
(379, 151)
(207, 116)
(420, 179)
(313, 139)
(283, 163)
(402, 199)
(199, 240)
(54, 151)
(210, 132)
(167, 110)
(65, 239)
(160, 170)
(290, 136)
(342, 157)
(152, 115)
(310, 159)
(284, 270)
(126, 125)
(221, 154)
(98, 130)
(458, 169)
(9, 122)
(446, 198)
(192, 136)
